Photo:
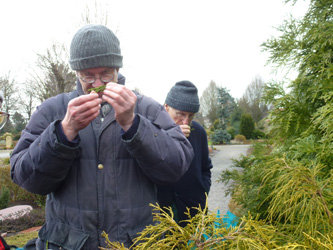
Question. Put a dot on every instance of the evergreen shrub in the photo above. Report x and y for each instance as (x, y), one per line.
(240, 138)
(246, 126)
(232, 132)
(258, 134)
(208, 230)
(4, 198)
(220, 136)
(16, 192)
(34, 218)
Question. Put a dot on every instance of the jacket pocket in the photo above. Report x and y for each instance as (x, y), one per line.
(63, 235)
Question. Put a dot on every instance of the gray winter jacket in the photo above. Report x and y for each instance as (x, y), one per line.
(105, 183)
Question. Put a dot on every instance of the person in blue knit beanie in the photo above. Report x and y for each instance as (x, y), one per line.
(190, 191)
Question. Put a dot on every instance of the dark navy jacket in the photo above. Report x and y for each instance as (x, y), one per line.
(105, 183)
(191, 189)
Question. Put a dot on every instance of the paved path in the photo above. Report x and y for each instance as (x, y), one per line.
(222, 160)
(4, 153)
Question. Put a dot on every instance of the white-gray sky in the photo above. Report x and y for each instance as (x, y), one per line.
(162, 41)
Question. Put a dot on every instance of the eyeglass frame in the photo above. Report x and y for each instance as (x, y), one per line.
(183, 116)
(95, 78)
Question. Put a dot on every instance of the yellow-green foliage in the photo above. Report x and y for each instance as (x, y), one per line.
(301, 197)
(322, 121)
(240, 138)
(203, 233)
(5, 161)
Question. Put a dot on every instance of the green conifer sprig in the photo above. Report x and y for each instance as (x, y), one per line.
(98, 89)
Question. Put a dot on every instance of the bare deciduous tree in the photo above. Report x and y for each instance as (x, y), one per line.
(199, 118)
(29, 102)
(208, 103)
(252, 101)
(10, 92)
(95, 13)
(54, 75)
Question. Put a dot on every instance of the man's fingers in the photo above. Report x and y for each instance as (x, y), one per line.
(118, 94)
(82, 110)
(123, 101)
(186, 130)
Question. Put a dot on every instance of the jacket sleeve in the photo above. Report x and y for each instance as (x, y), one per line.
(159, 146)
(39, 163)
(206, 162)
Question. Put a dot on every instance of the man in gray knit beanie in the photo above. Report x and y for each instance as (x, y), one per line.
(95, 46)
(98, 152)
(182, 102)
(183, 97)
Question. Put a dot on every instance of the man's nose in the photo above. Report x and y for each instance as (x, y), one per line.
(185, 120)
(98, 82)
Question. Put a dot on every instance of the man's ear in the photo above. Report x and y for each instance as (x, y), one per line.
(166, 106)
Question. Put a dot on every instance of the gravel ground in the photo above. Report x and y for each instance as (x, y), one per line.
(222, 160)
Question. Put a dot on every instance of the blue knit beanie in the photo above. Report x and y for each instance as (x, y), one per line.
(95, 46)
(183, 96)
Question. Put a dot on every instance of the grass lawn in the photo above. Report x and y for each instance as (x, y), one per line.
(21, 239)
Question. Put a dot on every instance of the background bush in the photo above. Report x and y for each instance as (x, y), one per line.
(34, 219)
(13, 194)
(4, 197)
(258, 134)
(220, 136)
(246, 126)
(232, 132)
(16, 192)
(240, 138)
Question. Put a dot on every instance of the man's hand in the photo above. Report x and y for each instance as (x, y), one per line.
(123, 101)
(80, 112)
(186, 130)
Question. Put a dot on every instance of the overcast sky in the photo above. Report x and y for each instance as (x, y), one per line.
(162, 41)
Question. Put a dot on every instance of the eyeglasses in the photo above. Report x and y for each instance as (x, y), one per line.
(105, 78)
(3, 119)
(183, 116)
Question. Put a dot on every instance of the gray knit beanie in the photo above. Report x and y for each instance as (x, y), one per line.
(183, 96)
(95, 46)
